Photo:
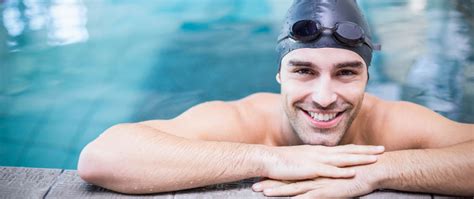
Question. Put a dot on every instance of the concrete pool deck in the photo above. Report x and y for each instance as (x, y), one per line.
(20, 182)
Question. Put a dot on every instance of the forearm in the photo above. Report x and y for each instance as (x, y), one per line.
(446, 170)
(139, 159)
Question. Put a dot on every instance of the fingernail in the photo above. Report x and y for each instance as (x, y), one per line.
(267, 191)
(257, 187)
(351, 172)
(373, 158)
(381, 148)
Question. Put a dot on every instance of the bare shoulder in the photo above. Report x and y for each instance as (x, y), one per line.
(242, 120)
(262, 101)
(405, 125)
(261, 114)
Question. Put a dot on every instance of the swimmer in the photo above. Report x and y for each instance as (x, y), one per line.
(322, 136)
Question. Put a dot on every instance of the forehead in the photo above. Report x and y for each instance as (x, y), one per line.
(322, 56)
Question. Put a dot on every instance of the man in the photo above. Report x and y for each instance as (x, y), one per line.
(323, 136)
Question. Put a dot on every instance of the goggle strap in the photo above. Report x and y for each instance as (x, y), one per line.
(377, 47)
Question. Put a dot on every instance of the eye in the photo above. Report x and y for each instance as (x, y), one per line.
(304, 71)
(346, 73)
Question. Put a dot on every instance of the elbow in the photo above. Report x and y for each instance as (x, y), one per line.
(98, 163)
(88, 166)
(93, 168)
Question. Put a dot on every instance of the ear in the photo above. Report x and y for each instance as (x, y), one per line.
(277, 77)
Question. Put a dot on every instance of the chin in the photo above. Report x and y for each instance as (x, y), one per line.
(311, 135)
(318, 138)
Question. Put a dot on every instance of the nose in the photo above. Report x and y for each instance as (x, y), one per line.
(323, 93)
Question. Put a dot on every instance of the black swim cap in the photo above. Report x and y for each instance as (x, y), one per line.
(326, 23)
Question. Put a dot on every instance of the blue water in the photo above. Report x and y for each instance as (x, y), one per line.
(70, 68)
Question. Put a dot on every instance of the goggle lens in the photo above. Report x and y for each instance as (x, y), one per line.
(305, 30)
(349, 33)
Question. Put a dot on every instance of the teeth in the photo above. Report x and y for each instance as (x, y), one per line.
(322, 117)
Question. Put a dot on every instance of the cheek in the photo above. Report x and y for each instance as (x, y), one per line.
(352, 92)
(295, 89)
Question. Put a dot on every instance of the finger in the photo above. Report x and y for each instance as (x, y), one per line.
(359, 149)
(309, 194)
(291, 189)
(344, 160)
(266, 184)
(324, 170)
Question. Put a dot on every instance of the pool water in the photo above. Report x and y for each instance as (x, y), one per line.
(69, 69)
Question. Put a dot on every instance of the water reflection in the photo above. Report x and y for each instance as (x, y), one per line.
(68, 22)
(425, 55)
(438, 73)
(63, 21)
(417, 5)
(12, 21)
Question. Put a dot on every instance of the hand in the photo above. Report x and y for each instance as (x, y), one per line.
(363, 183)
(310, 162)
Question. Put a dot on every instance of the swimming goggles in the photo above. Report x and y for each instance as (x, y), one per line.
(345, 32)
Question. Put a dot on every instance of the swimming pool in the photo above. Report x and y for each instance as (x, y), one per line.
(69, 69)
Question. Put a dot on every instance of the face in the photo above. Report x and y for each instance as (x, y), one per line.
(322, 92)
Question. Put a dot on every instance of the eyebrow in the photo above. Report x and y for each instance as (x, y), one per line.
(351, 64)
(295, 62)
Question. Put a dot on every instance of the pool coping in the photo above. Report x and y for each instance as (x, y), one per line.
(23, 182)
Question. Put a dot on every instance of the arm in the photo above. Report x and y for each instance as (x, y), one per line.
(447, 170)
(134, 158)
(440, 159)
(200, 148)
(167, 155)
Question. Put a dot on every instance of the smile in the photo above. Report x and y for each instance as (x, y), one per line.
(324, 120)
